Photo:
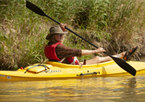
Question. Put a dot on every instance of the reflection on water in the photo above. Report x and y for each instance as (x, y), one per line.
(101, 89)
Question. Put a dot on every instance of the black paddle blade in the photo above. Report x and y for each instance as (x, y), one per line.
(125, 66)
(34, 8)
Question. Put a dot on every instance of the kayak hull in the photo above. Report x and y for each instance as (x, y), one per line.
(55, 70)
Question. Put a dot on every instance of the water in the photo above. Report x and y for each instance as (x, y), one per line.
(102, 89)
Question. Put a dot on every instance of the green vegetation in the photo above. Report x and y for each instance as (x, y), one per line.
(115, 25)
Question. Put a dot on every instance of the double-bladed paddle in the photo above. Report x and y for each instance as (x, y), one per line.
(119, 61)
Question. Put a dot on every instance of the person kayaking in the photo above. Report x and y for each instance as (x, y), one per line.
(56, 51)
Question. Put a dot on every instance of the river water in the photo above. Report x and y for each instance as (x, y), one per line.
(100, 89)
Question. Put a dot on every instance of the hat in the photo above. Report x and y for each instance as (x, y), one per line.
(55, 30)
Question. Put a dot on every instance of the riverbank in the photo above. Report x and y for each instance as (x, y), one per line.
(114, 25)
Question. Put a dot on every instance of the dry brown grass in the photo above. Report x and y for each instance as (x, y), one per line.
(114, 25)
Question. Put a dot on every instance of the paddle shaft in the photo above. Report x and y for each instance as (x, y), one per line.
(37, 10)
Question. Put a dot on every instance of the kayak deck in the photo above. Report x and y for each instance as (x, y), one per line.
(55, 70)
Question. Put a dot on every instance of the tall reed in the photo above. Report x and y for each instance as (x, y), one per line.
(114, 25)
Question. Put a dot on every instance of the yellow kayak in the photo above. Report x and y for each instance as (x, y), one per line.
(56, 70)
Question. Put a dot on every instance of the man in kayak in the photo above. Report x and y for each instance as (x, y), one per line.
(56, 51)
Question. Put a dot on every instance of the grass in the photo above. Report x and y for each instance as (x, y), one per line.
(114, 25)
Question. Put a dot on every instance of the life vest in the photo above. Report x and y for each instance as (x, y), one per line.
(51, 55)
